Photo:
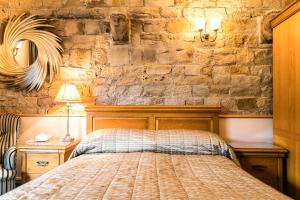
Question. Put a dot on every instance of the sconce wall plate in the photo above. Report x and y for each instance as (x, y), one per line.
(48, 53)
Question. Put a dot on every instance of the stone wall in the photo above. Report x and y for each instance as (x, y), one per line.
(164, 63)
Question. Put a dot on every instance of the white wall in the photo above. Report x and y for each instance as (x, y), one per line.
(53, 125)
(247, 129)
(231, 129)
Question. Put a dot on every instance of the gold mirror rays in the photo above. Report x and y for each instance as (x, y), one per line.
(44, 52)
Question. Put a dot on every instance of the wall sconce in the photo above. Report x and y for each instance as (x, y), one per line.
(214, 25)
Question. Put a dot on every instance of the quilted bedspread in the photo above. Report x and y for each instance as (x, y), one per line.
(145, 175)
(144, 164)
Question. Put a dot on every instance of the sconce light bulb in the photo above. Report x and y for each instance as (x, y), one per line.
(215, 24)
(200, 24)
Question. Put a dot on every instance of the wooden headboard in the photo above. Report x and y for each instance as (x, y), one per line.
(153, 117)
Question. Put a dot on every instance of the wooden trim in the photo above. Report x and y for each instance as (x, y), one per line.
(164, 109)
(247, 116)
(50, 115)
(286, 13)
(153, 117)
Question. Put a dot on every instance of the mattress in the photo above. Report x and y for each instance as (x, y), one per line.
(146, 175)
(147, 164)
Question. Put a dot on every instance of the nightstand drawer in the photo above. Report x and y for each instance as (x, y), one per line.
(39, 158)
(40, 163)
(265, 161)
(265, 169)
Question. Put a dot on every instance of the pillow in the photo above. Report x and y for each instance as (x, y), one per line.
(161, 141)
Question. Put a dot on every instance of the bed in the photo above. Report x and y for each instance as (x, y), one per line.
(149, 152)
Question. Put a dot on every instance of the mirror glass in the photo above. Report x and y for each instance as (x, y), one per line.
(25, 52)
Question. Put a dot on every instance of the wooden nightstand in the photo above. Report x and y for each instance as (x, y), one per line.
(38, 158)
(266, 162)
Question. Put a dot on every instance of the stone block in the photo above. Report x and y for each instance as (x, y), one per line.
(236, 69)
(221, 79)
(171, 12)
(149, 55)
(174, 101)
(204, 3)
(92, 27)
(144, 12)
(215, 13)
(118, 56)
(182, 91)
(135, 3)
(73, 74)
(203, 57)
(247, 104)
(80, 58)
(193, 12)
(194, 101)
(180, 52)
(45, 101)
(244, 56)
(52, 4)
(82, 42)
(177, 26)
(102, 41)
(245, 91)
(214, 101)
(151, 91)
(155, 26)
(135, 90)
(159, 3)
(158, 69)
(263, 57)
(229, 105)
(111, 72)
(251, 3)
(99, 56)
(225, 59)
(183, 3)
(72, 27)
(192, 70)
(247, 81)
(200, 91)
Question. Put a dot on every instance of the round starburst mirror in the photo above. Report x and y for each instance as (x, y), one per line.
(30, 54)
(25, 52)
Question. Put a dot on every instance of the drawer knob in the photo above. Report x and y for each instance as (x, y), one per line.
(42, 163)
(259, 167)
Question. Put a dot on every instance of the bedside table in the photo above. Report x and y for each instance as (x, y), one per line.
(40, 157)
(266, 162)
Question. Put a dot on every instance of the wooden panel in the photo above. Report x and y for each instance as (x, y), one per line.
(103, 123)
(265, 169)
(41, 163)
(205, 124)
(286, 88)
(152, 117)
(31, 176)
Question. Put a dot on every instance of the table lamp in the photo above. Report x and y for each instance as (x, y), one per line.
(68, 94)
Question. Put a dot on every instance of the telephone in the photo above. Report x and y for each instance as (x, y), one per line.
(42, 137)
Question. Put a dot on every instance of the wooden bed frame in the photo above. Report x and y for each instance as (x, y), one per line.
(153, 117)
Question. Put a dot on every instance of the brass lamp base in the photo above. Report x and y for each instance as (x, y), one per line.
(68, 138)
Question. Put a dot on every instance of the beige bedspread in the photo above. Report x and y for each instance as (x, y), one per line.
(146, 175)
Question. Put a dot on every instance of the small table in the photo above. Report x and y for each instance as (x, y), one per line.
(40, 157)
(266, 162)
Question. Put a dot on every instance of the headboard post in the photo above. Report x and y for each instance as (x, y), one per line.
(153, 117)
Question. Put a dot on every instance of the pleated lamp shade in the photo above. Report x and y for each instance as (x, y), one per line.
(68, 93)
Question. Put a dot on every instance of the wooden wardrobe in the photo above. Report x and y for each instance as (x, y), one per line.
(286, 91)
